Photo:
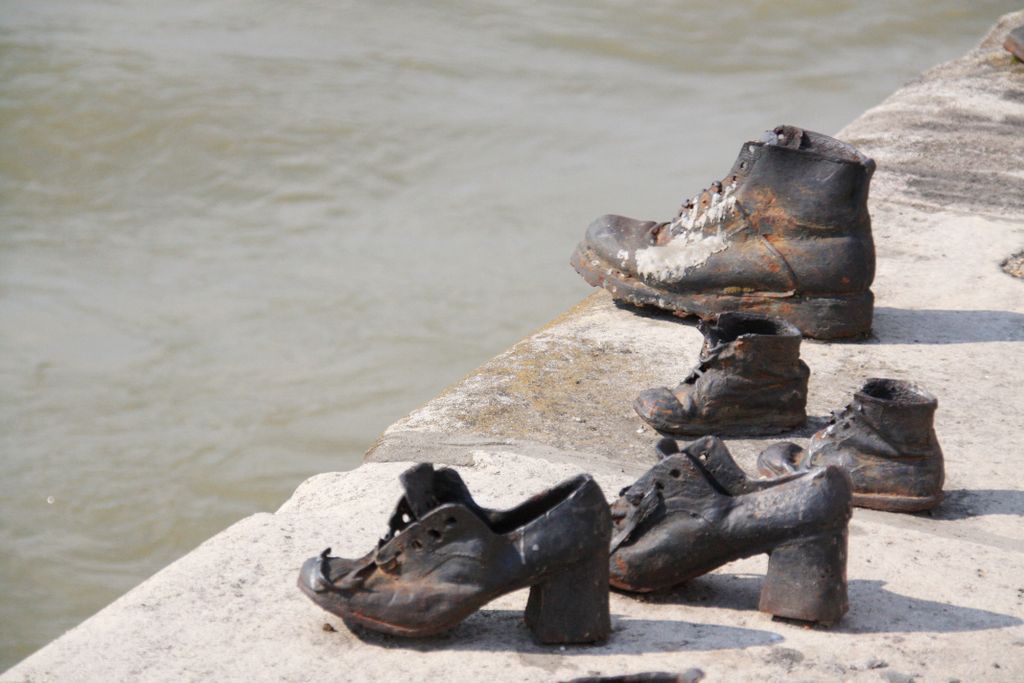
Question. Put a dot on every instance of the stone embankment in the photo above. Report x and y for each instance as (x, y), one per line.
(935, 597)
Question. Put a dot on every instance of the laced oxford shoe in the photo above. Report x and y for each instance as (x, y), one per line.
(696, 510)
(444, 557)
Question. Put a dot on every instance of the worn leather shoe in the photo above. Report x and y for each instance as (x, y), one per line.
(750, 380)
(885, 438)
(785, 233)
(696, 510)
(444, 557)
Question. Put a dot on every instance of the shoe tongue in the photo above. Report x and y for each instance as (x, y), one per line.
(693, 480)
(784, 136)
(702, 467)
(427, 488)
(420, 493)
(713, 459)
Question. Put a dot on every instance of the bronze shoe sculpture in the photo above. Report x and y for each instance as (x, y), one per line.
(444, 557)
(885, 439)
(750, 380)
(786, 233)
(696, 510)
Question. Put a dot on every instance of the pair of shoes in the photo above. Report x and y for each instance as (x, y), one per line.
(750, 380)
(444, 556)
(786, 233)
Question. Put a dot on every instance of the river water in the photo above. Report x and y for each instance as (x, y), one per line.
(239, 239)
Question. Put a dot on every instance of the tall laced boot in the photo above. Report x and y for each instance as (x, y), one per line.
(785, 233)
(696, 510)
(750, 380)
(885, 438)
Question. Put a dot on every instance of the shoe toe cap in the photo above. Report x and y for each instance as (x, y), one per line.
(615, 239)
(779, 459)
(320, 574)
(661, 409)
(311, 579)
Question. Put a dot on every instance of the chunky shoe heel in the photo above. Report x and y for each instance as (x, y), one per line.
(807, 579)
(571, 606)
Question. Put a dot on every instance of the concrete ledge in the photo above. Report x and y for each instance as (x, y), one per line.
(937, 597)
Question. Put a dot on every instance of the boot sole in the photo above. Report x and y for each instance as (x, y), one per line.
(762, 428)
(887, 502)
(550, 621)
(829, 317)
(893, 503)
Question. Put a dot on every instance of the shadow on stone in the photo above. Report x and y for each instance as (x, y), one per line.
(941, 326)
(891, 612)
(967, 503)
(656, 313)
(502, 630)
(814, 424)
(873, 609)
(907, 325)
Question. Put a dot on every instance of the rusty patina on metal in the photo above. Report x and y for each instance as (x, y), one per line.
(885, 438)
(749, 381)
(786, 233)
(444, 557)
(697, 510)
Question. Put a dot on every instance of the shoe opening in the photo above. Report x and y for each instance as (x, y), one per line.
(504, 521)
(825, 145)
(731, 326)
(896, 391)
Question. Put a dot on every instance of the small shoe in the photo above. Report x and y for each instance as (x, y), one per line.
(785, 233)
(444, 557)
(885, 439)
(750, 381)
(697, 510)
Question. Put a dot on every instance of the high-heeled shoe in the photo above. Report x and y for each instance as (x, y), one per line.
(697, 509)
(444, 557)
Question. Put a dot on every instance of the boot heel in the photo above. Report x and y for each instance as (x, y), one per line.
(806, 579)
(571, 606)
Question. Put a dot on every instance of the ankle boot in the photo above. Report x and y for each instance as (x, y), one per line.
(444, 557)
(696, 510)
(885, 438)
(750, 380)
(786, 233)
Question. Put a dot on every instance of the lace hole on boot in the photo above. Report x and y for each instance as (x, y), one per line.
(450, 521)
(675, 474)
(434, 534)
(416, 543)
